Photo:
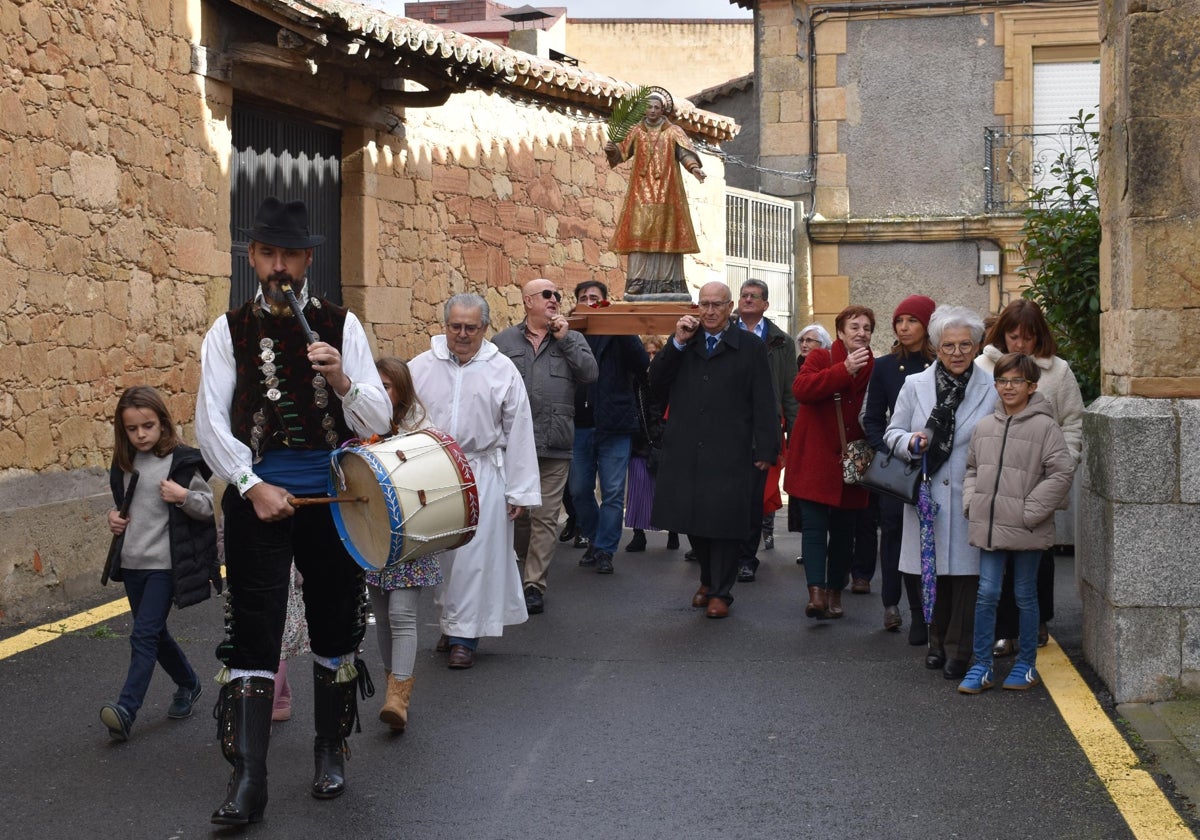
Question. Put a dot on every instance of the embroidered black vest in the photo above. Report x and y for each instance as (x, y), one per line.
(279, 401)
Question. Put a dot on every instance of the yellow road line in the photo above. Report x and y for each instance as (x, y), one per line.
(49, 632)
(1146, 809)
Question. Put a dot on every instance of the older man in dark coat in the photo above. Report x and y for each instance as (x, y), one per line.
(722, 428)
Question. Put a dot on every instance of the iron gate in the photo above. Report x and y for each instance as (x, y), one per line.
(760, 244)
(279, 155)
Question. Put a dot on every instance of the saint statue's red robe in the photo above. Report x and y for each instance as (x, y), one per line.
(655, 217)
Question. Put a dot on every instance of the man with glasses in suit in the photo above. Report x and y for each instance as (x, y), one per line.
(553, 360)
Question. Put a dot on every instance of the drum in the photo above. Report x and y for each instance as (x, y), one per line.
(421, 497)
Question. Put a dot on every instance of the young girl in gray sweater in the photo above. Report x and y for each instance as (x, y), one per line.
(168, 548)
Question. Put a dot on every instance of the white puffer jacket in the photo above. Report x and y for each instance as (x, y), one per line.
(1019, 471)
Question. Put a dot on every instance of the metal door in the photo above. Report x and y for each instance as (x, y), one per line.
(760, 243)
(278, 155)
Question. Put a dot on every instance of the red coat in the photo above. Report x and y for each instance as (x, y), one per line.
(814, 457)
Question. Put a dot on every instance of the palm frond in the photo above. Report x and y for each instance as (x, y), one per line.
(628, 112)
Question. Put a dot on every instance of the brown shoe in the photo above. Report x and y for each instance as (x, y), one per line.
(717, 608)
(816, 602)
(892, 620)
(395, 709)
(461, 656)
(833, 603)
(860, 586)
(700, 599)
(443, 645)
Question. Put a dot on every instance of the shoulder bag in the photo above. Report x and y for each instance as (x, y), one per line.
(856, 455)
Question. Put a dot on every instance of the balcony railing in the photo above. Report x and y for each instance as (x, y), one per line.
(1020, 158)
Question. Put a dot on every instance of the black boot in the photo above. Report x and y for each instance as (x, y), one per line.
(243, 714)
(335, 710)
(638, 543)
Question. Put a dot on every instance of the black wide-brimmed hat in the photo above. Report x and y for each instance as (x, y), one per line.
(283, 225)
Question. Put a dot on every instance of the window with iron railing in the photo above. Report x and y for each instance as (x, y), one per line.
(1018, 159)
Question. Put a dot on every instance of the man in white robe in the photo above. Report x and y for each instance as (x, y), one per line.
(474, 393)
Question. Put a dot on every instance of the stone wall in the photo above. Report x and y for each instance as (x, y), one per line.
(115, 214)
(1140, 496)
(112, 203)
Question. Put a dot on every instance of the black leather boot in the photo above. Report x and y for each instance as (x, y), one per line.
(335, 709)
(243, 714)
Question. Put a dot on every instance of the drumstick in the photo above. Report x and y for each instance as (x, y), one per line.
(324, 500)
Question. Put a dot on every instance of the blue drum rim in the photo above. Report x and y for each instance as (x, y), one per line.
(390, 499)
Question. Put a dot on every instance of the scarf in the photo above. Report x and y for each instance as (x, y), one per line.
(950, 390)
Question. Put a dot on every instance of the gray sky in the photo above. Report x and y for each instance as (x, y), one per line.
(623, 8)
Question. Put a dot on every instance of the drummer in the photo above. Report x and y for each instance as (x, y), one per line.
(271, 407)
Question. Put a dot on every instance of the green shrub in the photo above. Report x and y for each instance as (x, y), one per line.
(1061, 254)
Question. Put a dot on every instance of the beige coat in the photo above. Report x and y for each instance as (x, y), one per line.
(1019, 471)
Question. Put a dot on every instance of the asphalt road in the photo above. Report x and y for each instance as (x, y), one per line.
(621, 712)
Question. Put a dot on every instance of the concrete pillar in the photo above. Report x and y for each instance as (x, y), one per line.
(1140, 491)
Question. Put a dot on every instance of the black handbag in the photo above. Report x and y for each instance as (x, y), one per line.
(893, 476)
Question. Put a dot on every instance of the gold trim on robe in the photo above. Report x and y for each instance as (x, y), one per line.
(655, 216)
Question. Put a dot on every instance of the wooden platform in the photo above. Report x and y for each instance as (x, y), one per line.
(627, 318)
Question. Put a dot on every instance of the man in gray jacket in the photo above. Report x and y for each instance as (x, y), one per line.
(553, 360)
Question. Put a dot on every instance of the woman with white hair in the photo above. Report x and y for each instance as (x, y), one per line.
(814, 335)
(934, 418)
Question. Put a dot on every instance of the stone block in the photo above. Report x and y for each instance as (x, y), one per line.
(824, 260)
(781, 73)
(830, 37)
(831, 294)
(1166, 180)
(1130, 446)
(832, 202)
(1156, 86)
(1148, 654)
(95, 179)
(1147, 567)
(1093, 542)
(1189, 441)
(831, 103)
(1163, 254)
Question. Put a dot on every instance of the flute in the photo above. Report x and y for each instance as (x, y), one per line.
(286, 288)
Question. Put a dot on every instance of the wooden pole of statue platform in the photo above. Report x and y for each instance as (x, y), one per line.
(630, 318)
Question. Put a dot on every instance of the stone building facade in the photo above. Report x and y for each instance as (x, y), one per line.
(115, 155)
(884, 109)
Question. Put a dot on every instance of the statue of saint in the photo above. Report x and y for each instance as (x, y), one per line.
(655, 227)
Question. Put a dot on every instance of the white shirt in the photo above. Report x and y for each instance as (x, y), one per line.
(367, 407)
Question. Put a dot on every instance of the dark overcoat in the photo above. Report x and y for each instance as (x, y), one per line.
(721, 417)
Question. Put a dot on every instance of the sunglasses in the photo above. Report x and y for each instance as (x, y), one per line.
(548, 293)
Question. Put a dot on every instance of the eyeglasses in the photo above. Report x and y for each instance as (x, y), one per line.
(550, 293)
(465, 329)
(751, 296)
(1009, 383)
(960, 349)
(808, 340)
(711, 304)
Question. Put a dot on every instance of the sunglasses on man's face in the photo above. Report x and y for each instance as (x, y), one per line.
(550, 293)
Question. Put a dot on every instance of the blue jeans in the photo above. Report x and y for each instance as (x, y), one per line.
(149, 594)
(606, 455)
(991, 576)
